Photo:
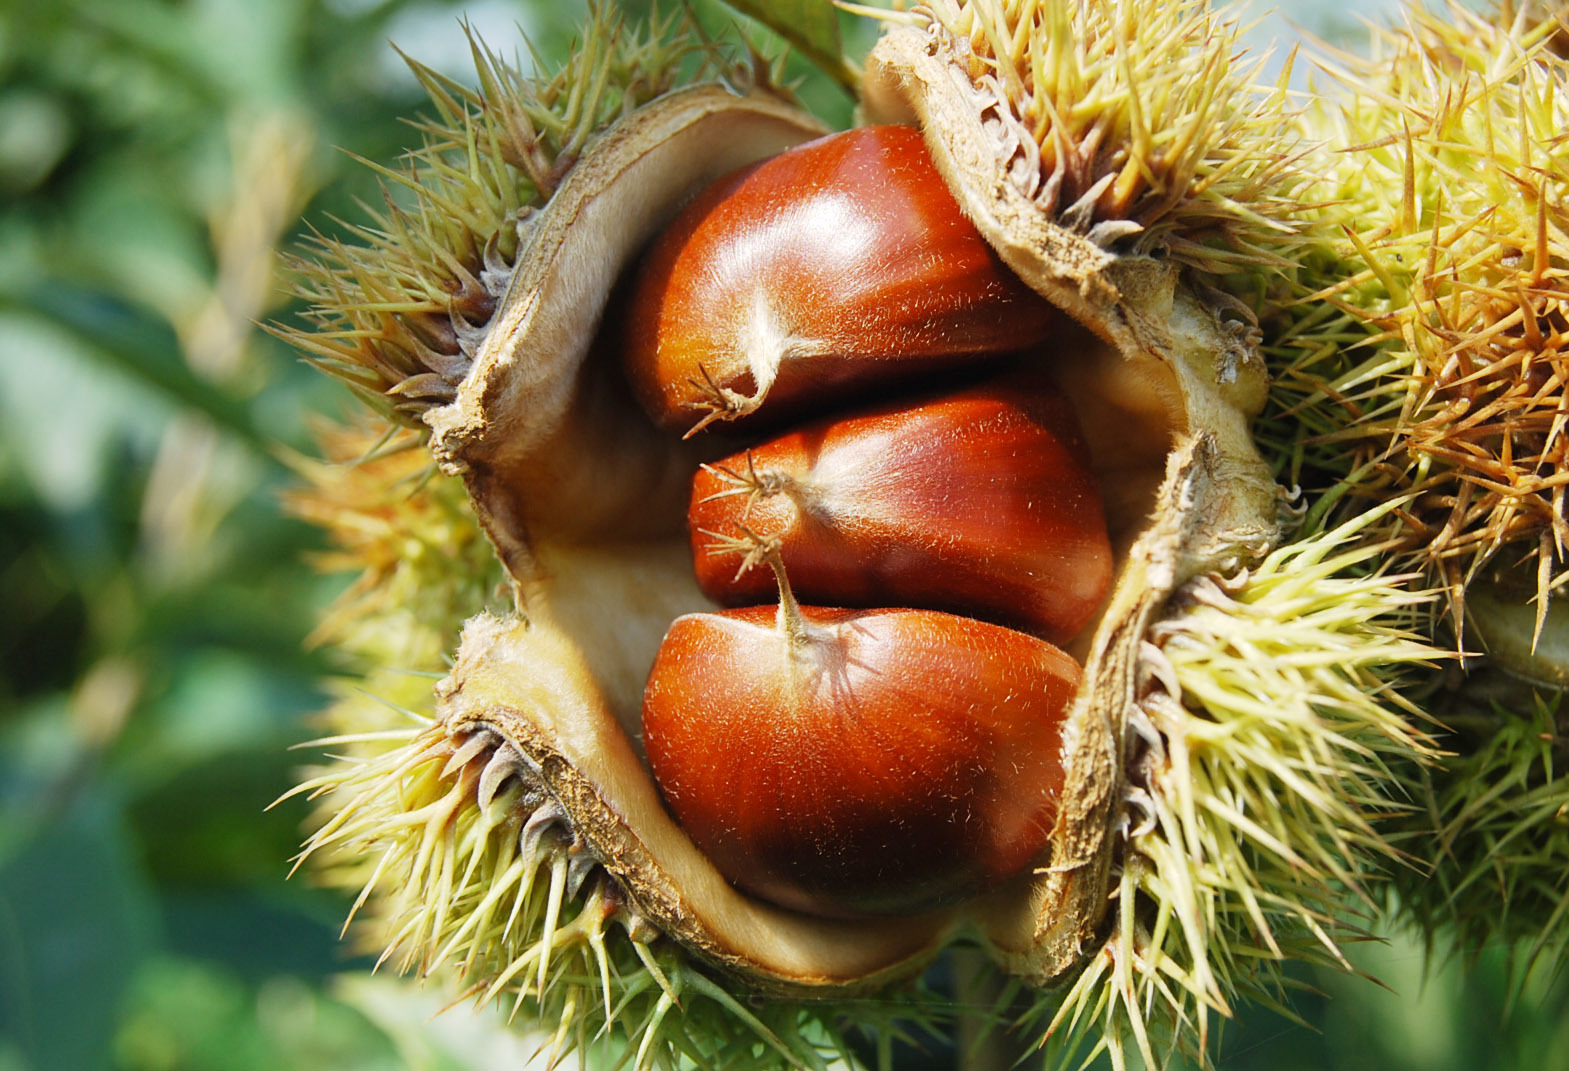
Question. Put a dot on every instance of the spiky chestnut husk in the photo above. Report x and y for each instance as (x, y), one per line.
(1442, 373)
(1494, 822)
(1435, 367)
(1165, 364)
(408, 531)
(1267, 723)
(421, 813)
(1491, 829)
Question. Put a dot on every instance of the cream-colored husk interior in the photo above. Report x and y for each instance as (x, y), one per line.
(584, 500)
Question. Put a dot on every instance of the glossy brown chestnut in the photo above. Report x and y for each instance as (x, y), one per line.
(858, 762)
(838, 263)
(980, 502)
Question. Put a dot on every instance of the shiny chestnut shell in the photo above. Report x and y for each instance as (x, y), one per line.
(978, 502)
(858, 762)
(836, 264)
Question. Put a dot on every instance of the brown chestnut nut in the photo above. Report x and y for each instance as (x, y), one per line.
(838, 263)
(980, 502)
(858, 762)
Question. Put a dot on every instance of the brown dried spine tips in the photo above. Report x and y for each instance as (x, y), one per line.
(980, 502)
(850, 763)
(838, 264)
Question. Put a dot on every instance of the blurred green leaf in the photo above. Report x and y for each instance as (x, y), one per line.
(66, 451)
(185, 1015)
(76, 918)
(35, 132)
(46, 618)
(138, 347)
(1440, 1010)
(264, 929)
(217, 703)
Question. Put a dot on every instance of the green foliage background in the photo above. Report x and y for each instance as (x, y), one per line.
(154, 157)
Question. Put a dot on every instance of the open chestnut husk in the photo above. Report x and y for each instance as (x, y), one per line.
(585, 497)
(1163, 388)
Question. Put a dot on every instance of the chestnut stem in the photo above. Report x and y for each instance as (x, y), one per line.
(982, 1045)
(790, 618)
(755, 548)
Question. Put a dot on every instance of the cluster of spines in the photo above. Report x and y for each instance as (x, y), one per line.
(472, 872)
(408, 531)
(1496, 819)
(1431, 364)
(1440, 373)
(1264, 749)
(398, 307)
(1139, 119)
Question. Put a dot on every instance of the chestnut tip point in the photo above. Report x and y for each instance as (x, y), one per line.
(754, 485)
(719, 403)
